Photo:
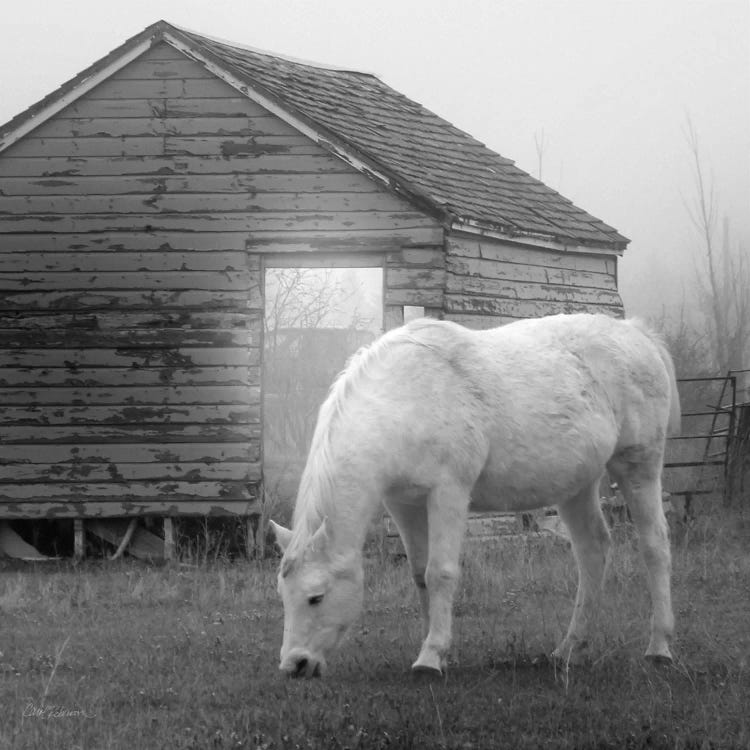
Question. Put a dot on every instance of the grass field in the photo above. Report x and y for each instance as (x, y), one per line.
(122, 655)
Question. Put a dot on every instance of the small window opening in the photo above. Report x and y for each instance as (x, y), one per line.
(412, 313)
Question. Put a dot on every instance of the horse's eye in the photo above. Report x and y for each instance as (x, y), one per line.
(313, 600)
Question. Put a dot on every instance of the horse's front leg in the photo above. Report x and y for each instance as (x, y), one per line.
(446, 508)
(410, 518)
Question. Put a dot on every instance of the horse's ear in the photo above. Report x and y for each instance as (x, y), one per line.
(282, 534)
(321, 538)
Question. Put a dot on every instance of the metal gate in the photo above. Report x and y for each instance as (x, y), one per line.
(698, 461)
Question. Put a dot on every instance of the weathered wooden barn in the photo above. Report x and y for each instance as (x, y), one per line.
(139, 206)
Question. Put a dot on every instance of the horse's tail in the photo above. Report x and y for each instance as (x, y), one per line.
(675, 413)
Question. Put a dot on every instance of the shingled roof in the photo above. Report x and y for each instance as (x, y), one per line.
(424, 157)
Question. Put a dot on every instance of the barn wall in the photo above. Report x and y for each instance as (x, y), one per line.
(489, 282)
(415, 277)
(132, 227)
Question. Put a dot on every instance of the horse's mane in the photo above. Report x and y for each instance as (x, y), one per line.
(316, 496)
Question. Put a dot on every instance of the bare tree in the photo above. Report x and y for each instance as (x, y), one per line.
(723, 273)
(301, 298)
(687, 343)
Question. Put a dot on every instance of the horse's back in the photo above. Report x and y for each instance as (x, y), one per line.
(548, 400)
(533, 365)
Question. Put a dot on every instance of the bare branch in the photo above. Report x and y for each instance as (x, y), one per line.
(539, 144)
(724, 280)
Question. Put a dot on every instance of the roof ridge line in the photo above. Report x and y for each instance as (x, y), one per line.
(269, 53)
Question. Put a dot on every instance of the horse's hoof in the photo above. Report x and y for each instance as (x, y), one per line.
(659, 653)
(659, 660)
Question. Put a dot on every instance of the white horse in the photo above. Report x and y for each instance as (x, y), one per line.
(434, 419)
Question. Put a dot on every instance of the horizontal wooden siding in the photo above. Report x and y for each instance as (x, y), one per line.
(489, 282)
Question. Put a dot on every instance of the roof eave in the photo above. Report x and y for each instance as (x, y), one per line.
(546, 241)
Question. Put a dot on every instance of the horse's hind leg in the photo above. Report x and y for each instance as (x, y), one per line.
(591, 541)
(640, 483)
(411, 521)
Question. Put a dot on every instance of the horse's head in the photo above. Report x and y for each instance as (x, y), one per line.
(322, 595)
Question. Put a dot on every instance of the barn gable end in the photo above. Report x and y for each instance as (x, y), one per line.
(132, 229)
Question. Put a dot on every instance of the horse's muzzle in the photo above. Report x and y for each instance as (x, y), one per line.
(300, 663)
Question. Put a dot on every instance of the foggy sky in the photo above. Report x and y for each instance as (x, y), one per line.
(610, 84)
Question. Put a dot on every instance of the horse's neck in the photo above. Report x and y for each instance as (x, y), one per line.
(342, 472)
(356, 510)
(348, 511)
